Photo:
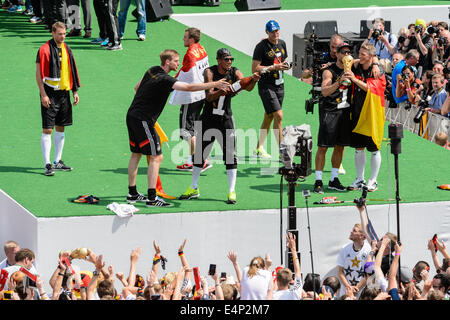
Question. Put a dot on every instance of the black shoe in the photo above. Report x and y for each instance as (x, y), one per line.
(49, 170)
(87, 34)
(318, 186)
(61, 166)
(158, 202)
(336, 185)
(136, 198)
(74, 33)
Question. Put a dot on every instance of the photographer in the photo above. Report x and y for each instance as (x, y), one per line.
(411, 59)
(423, 43)
(384, 42)
(408, 85)
(439, 94)
(441, 40)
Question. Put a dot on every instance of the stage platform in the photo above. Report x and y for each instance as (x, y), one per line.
(37, 210)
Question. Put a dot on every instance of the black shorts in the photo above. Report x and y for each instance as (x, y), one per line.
(224, 133)
(362, 141)
(189, 113)
(143, 137)
(272, 97)
(59, 112)
(334, 128)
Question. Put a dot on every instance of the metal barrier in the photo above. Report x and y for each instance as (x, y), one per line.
(427, 128)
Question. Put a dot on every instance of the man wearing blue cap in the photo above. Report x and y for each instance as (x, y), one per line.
(269, 58)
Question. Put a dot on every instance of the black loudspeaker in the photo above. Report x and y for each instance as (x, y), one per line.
(156, 10)
(322, 29)
(252, 5)
(366, 25)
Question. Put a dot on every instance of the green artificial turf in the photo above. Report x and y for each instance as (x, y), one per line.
(97, 144)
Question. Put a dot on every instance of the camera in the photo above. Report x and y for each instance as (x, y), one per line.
(423, 104)
(418, 28)
(376, 33)
(401, 39)
(432, 30)
(442, 41)
(362, 200)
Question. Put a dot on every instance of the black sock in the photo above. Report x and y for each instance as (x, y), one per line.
(132, 190)
(151, 194)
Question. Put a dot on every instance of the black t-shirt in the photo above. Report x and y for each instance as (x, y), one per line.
(152, 95)
(424, 61)
(220, 109)
(270, 54)
(358, 94)
(339, 99)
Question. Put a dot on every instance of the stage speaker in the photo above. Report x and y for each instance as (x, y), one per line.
(322, 29)
(366, 25)
(252, 5)
(156, 10)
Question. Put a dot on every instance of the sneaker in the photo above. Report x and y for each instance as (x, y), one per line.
(261, 153)
(336, 185)
(207, 165)
(141, 37)
(158, 202)
(190, 193)
(97, 41)
(114, 47)
(356, 185)
(318, 186)
(87, 34)
(35, 19)
(105, 42)
(231, 197)
(61, 166)
(49, 170)
(185, 167)
(15, 9)
(136, 198)
(28, 12)
(372, 186)
(74, 33)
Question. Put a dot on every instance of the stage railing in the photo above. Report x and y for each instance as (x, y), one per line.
(427, 128)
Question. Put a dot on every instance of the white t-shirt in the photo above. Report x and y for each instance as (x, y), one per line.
(353, 263)
(256, 287)
(293, 293)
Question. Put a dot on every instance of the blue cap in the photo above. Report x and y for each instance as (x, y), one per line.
(369, 267)
(272, 25)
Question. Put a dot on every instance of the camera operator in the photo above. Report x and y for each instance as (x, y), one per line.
(408, 85)
(384, 42)
(411, 58)
(423, 43)
(439, 94)
(334, 120)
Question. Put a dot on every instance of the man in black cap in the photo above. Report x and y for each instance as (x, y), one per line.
(217, 122)
(334, 120)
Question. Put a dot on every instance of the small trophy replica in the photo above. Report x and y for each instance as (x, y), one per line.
(347, 61)
(80, 253)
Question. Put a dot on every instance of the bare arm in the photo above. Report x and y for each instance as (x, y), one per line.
(45, 100)
(211, 94)
(445, 109)
(328, 86)
(184, 262)
(233, 258)
(183, 86)
(437, 265)
(392, 281)
(290, 239)
(135, 254)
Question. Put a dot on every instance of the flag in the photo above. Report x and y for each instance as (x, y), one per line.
(162, 135)
(372, 117)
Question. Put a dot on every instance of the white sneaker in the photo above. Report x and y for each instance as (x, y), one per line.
(372, 186)
(141, 37)
(356, 185)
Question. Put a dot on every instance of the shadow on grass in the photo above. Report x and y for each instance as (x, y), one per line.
(16, 169)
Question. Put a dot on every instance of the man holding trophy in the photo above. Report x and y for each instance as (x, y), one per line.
(334, 117)
(367, 115)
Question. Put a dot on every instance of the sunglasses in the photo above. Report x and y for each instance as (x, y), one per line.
(346, 52)
(228, 59)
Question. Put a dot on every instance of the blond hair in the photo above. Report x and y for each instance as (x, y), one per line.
(58, 25)
(366, 45)
(256, 264)
(168, 54)
(441, 138)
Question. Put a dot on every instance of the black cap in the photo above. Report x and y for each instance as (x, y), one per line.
(223, 52)
(343, 45)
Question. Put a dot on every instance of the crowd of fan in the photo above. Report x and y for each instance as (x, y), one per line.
(257, 281)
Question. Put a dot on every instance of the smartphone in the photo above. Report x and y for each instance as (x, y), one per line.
(223, 275)
(7, 295)
(434, 242)
(29, 283)
(212, 269)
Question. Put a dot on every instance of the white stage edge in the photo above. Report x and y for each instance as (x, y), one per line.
(212, 234)
(243, 30)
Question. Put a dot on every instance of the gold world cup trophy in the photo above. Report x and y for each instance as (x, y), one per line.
(80, 253)
(347, 61)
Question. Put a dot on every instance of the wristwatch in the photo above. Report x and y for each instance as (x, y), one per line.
(95, 273)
